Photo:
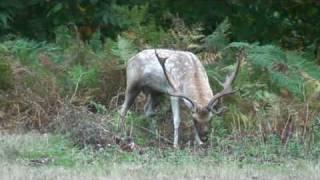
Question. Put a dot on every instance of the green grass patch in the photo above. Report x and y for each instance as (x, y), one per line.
(57, 148)
(247, 159)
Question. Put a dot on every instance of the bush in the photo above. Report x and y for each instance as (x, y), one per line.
(84, 128)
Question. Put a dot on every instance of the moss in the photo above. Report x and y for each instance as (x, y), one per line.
(6, 76)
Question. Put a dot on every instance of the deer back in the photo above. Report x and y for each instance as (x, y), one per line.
(184, 69)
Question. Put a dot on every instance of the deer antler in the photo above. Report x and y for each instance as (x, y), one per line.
(162, 63)
(227, 88)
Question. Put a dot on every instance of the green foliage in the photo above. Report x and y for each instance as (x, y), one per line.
(303, 64)
(6, 76)
(316, 136)
(63, 37)
(284, 69)
(28, 51)
(25, 50)
(95, 42)
(100, 108)
(220, 128)
(81, 76)
(134, 16)
(5, 18)
(123, 48)
(220, 37)
(53, 150)
(266, 22)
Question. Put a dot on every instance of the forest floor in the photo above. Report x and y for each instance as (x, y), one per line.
(48, 156)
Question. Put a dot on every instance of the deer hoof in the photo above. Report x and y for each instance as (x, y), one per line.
(176, 146)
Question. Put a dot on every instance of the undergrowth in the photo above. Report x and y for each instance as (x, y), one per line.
(273, 115)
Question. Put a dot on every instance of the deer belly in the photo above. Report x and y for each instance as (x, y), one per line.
(155, 82)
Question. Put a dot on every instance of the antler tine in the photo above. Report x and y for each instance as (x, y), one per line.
(227, 88)
(215, 78)
(162, 63)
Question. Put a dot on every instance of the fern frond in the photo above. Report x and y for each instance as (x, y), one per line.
(219, 38)
(283, 69)
(5, 18)
(124, 49)
(293, 83)
(296, 60)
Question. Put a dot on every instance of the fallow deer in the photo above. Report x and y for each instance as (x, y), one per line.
(180, 75)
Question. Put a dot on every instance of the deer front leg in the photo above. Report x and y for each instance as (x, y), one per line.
(176, 119)
(130, 96)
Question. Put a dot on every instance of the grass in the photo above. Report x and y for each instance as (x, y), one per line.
(48, 156)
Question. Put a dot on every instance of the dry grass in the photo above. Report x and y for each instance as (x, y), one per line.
(32, 100)
(122, 171)
(16, 151)
(84, 127)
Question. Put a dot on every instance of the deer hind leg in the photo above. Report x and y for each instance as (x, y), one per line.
(176, 119)
(151, 104)
(153, 100)
(130, 96)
